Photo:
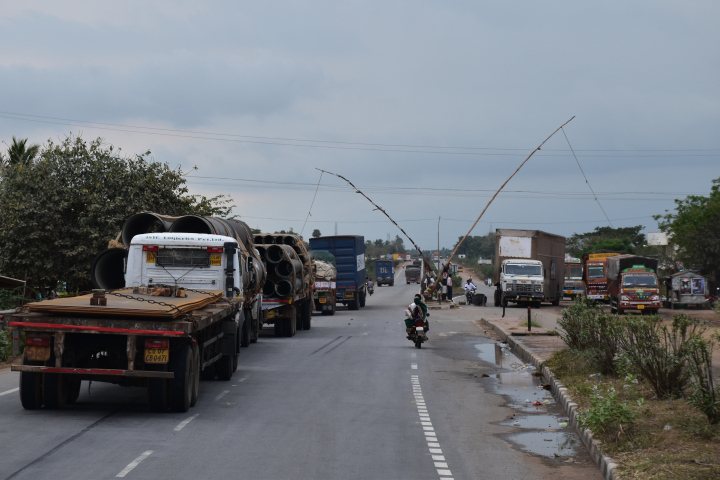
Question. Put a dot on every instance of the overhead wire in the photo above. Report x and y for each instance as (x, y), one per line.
(311, 204)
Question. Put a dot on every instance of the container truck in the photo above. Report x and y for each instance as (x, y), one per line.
(384, 273)
(528, 267)
(574, 286)
(595, 274)
(412, 274)
(180, 316)
(633, 284)
(349, 252)
(325, 287)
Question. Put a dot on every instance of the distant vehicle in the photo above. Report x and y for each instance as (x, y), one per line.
(528, 267)
(459, 268)
(349, 252)
(384, 273)
(633, 284)
(412, 274)
(595, 274)
(408, 257)
(574, 286)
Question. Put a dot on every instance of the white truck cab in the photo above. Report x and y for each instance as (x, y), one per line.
(189, 260)
(522, 281)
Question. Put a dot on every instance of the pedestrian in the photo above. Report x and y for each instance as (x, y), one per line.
(449, 287)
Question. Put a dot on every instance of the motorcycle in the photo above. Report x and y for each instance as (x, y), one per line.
(469, 296)
(418, 335)
(371, 289)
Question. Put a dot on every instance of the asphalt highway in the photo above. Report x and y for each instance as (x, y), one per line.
(349, 399)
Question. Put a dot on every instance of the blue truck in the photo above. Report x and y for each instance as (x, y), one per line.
(384, 273)
(349, 252)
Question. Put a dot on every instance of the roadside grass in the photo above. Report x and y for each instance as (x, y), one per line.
(668, 439)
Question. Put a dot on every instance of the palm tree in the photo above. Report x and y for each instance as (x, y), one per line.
(20, 154)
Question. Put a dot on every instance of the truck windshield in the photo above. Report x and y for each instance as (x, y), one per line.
(596, 272)
(523, 269)
(640, 280)
(575, 272)
(183, 257)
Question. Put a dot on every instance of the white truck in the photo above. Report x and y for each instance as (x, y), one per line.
(181, 316)
(528, 267)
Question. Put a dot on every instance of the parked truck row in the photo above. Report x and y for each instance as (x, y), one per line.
(174, 305)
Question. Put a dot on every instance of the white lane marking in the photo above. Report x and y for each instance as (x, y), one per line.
(413, 366)
(438, 458)
(428, 428)
(182, 424)
(225, 392)
(9, 391)
(435, 450)
(134, 464)
(444, 472)
(426, 423)
(430, 444)
(413, 355)
(441, 465)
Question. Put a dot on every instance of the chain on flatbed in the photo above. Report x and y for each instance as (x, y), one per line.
(139, 299)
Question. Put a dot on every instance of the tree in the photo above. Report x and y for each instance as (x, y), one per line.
(627, 239)
(695, 228)
(316, 233)
(20, 154)
(59, 211)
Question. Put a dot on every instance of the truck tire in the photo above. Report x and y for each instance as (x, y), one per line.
(55, 390)
(362, 299)
(74, 385)
(556, 301)
(158, 394)
(299, 316)
(181, 385)
(278, 326)
(354, 304)
(290, 324)
(195, 375)
(224, 367)
(307, 316)
(31, 391)
(392, 284)
(245, 330)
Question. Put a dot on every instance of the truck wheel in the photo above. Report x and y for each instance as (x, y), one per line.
(224, 368)
(556, 302)
(354, 305)
(408, 283)
(31, 391)
(74, 385)
(299, 316)
(392, 284)
(278, 326)
(307, 316)
(55, 390)
(362, 299)
(181, 386)
(245, 330)
(195, 375)
(158, 395)
(291, 323)
(208, 373)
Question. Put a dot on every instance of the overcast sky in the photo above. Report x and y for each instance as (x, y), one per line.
(431, 105)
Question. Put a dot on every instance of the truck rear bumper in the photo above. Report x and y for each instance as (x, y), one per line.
(598, 297)
(523, 297)
(92, 371)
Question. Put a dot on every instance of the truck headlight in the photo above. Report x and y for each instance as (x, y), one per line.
(538, 288)
(656, 298)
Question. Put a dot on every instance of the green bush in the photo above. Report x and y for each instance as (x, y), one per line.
(585, 327)
(606, 412)
(705, 395)
(456, 281)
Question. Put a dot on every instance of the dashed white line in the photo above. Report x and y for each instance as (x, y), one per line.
(430, 436)
(413, 366)
(182, 424)
(134, 464)
(222, 394)
(9, 391)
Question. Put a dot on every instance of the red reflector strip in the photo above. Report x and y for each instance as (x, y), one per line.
(215, 249)
(37, 341)
(157, 343)
(94, 329)
(150, 248)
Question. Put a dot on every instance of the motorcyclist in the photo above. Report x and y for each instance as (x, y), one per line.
(370, 285)
(415, 311)
(469, 285)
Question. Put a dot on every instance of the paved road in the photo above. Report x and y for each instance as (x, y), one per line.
(349, 399)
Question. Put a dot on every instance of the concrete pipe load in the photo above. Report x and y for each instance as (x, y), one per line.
(284, 287)
(269, 288)
(269, 239)
(108, 269)
(145, 222)
(259, 239)
(288, 268)
(291, 240)
(275, 253)
(270, 268)
(261, 249)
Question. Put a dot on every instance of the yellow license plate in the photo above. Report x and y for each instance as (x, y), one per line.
(349, 294)
(322, 300)
(37, 354)
(215, 259)
(157, 355)
(151, 257)
(568, 292)
(641, 307)
(271, 314)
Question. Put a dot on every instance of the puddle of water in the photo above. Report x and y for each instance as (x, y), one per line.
(538, 422)
(496, 354)
(547, 444)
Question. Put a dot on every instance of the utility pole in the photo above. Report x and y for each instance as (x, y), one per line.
(438, 264)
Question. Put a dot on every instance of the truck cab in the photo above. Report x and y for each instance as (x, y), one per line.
(633, 284)
(573, 279)
(522, 281)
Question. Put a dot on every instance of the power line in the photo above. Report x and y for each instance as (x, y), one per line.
(167, 132)
(311, 204)
(447, 219)
(586, 180)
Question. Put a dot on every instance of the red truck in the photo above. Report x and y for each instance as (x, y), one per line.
(594, 274)
(633, 284)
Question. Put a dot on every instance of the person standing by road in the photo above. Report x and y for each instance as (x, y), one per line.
(449, 287)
